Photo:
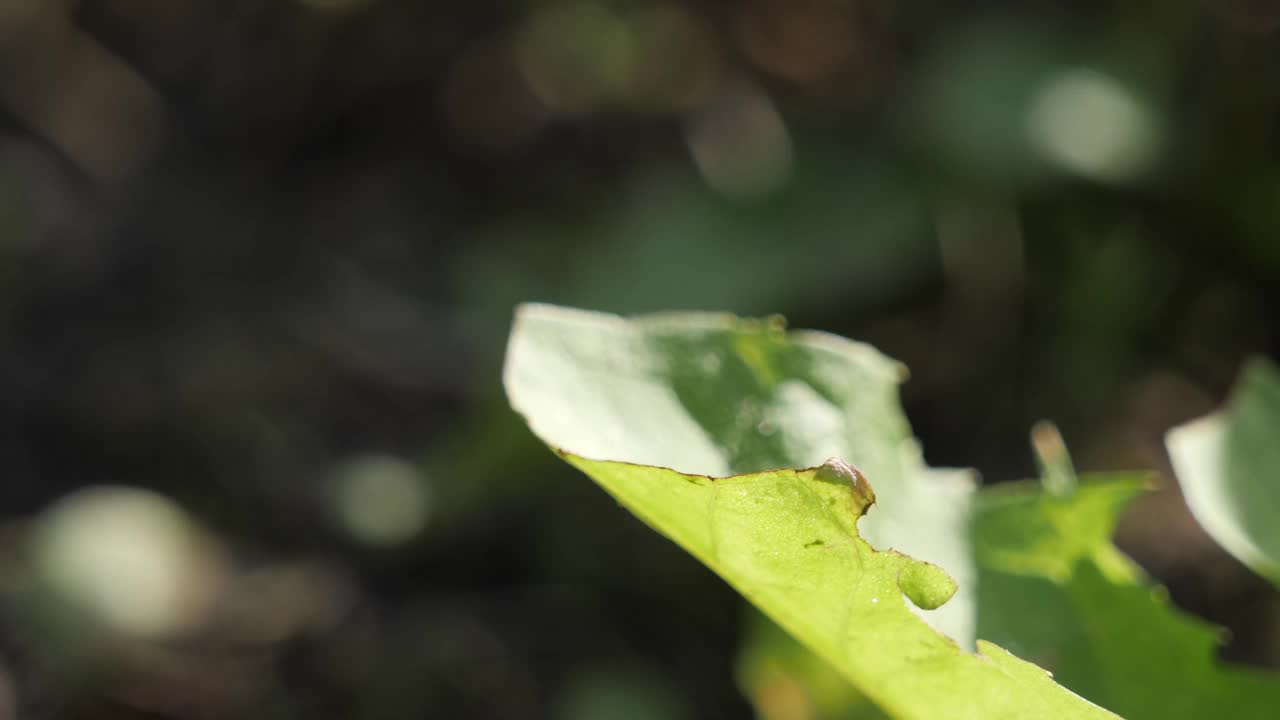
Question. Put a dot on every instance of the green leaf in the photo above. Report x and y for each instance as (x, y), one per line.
(1054, 589)
(785, 681)
(714, 395)
(1227, 466)
(626, 401)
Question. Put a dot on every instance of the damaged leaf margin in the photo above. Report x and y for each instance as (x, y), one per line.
(787, 539)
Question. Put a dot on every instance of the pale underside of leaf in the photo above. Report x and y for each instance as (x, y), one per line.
(710, 394)
(1226, 465)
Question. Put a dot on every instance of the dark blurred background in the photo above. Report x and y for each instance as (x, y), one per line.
(258, 260)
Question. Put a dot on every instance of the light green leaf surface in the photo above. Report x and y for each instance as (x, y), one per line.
(626, 400)
(1228, 465)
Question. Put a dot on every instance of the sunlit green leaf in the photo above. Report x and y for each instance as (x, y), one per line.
(724, 401)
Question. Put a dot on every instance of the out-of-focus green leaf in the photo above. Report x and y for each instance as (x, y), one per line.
(1227, 464)
(785, 681)
(625, 400)
(1054, 589)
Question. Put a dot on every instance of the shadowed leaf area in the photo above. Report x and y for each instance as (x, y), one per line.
(1054, 589)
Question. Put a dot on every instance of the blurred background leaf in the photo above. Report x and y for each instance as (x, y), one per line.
(1226, 464)
(1052, 588)
(785, 681)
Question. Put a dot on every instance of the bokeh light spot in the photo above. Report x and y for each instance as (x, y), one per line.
(674, 61)
(740, 143)
(1088, 123)
(575, 56)
(129, 557)
(381, 500)
(807, 42)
